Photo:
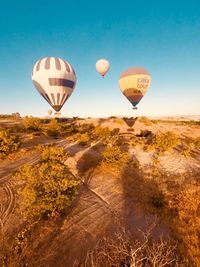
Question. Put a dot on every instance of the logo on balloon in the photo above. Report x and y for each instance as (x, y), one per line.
(143, 82)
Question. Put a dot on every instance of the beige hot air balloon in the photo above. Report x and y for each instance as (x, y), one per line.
(102, 66)
(55, 80)
(134, 83)
(50, 112)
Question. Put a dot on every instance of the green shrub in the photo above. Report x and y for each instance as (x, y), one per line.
(189, 145)
(164, 141)
(52, 154)
(83, 139)
(115, 131)
(49, 187)
(69, 129)
(121, 141)
(53, 128)
(32, 124)
(115, 157)
(197, 142)
(102, 132)
(13, 116)
(8, 143)
(86, 128)
(145, 133)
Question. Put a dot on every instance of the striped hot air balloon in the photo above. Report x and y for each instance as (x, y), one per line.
(134, 83)
(55, 80)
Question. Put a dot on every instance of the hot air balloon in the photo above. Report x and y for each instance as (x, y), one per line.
(49, 112)
(102, 66)
(55, 80)
(134, 83)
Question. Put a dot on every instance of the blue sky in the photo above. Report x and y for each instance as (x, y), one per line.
(162, 36)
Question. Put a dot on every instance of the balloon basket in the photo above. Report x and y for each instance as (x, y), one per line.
(57, 114)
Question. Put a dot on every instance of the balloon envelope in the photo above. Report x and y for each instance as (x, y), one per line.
(102, 66)
(50, 112)
(134, 83)
(55, 80)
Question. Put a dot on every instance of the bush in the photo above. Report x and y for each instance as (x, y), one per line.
(8, 143)
(115, 131)
(146, 121)
(53, 128)
(48, 186)
(115, 157)
(197, 142)
(13, 116)
(52, 154)
(187, 147)
(165, 141)
(86, 128)
(102, 132)
(83, 139)
(145, 133)
(69, 129)
(121, 141)
(32, 124)
(133, 250)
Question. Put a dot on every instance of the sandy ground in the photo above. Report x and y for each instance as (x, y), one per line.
(105, 200)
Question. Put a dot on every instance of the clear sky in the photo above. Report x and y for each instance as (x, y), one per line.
(161, 35)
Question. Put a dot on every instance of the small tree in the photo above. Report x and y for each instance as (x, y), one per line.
(32, 124)
(8, 143)
(164, 141)
(48, 186)
(115, 157)
(53, 128)
(126, 250)
(102, 132)
(83, 139)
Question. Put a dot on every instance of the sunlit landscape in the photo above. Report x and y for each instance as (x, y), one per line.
(99, 133)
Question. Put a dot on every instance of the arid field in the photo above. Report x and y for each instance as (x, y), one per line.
(99, 192)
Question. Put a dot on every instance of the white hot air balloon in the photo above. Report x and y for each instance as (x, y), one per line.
(102, 66)
(55, 80)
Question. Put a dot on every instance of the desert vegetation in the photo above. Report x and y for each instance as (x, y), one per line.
(53, 128)
(47, 188)
(163, 142)
(134, 250)
(32, 124)
(9, 142)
